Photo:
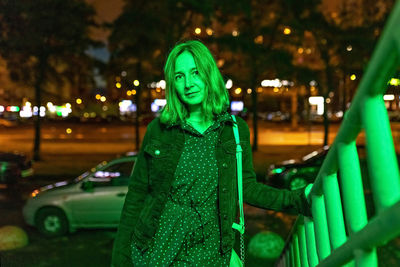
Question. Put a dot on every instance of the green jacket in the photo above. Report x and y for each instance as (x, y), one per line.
(154, 172)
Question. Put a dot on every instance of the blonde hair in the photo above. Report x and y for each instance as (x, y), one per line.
(216, 96)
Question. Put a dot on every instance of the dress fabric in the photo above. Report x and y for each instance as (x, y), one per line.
(188, 232)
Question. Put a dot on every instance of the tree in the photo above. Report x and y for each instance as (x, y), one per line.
(43, 43)
(349, 27)
(254, 41)
(142, 37)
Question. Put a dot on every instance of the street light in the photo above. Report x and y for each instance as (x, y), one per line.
(287, 31)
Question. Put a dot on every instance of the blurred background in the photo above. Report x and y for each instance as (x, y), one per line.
(81, 80)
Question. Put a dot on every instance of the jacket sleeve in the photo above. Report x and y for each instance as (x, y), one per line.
(137, 190)
(264, 196)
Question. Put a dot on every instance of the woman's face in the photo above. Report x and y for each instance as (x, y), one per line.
(189, 85)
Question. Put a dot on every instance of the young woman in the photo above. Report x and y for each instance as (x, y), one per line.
(182, 197)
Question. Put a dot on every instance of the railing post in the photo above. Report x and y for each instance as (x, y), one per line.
(296, 255)
(334, 212)
(353, 198)
(303, 245)
(383, 167)
(311, 246)
(321, 227)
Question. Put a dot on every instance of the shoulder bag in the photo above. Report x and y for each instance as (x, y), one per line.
(235, 260)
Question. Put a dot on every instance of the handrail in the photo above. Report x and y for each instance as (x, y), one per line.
(341, 235)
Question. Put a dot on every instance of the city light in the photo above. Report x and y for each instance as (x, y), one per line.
(26, 111)
(68, 130)
(276, 90)
(237, 105)
(349, 48)
(300, 50)
(161, 84)
(158, 104)
(197, 30)
(209, 31)
(13, 109)
(98, 97)
(123, 73)
(229, 84)
(287, 31)
(259, 39)
(249, 90)
(319, 101)
(128, 93)
(1, 108)
(353, 77)
(133, 92)
(126, 106)
(136, 83)
(68, 105)
(271, 83)
(118, 85)
(79, 101)
(238, 90)
(103, 99)
(388, 97)
(394, 82)
(235, 33)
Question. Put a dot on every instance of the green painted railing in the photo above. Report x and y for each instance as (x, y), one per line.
(339, 232)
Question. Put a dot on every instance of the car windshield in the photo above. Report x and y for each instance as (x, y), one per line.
(315, 154)
(87, 173)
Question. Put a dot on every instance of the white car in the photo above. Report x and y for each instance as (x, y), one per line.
(92, 200)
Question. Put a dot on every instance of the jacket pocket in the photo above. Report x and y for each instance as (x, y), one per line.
(229, 147)
(159, 159)
(157, 150)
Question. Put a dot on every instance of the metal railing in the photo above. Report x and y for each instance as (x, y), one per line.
(339, 232)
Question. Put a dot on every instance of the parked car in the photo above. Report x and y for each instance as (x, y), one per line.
(13, 166)
(296, 173)
(92, 200)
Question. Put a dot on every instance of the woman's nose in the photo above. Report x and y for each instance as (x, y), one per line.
(188, 82)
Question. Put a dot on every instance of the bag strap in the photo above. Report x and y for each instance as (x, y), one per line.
(240, 226)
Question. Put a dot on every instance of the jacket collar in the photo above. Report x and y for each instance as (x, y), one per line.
(220, 118)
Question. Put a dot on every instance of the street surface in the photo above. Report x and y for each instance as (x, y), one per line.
(68, 155)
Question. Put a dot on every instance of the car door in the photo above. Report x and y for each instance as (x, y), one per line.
(102, 204)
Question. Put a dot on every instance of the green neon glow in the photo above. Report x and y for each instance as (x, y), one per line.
(277, 170)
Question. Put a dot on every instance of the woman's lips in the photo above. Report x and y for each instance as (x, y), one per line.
(192, 93)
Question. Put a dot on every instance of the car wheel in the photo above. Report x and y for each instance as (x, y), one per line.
(51, 222)
(297, 183)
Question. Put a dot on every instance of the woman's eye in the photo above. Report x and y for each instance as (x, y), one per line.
(196, 72)
(177, 77)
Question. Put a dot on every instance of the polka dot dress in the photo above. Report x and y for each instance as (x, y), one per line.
(188, 233)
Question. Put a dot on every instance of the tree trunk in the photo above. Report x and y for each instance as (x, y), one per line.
(138, 101)
(42, 61)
